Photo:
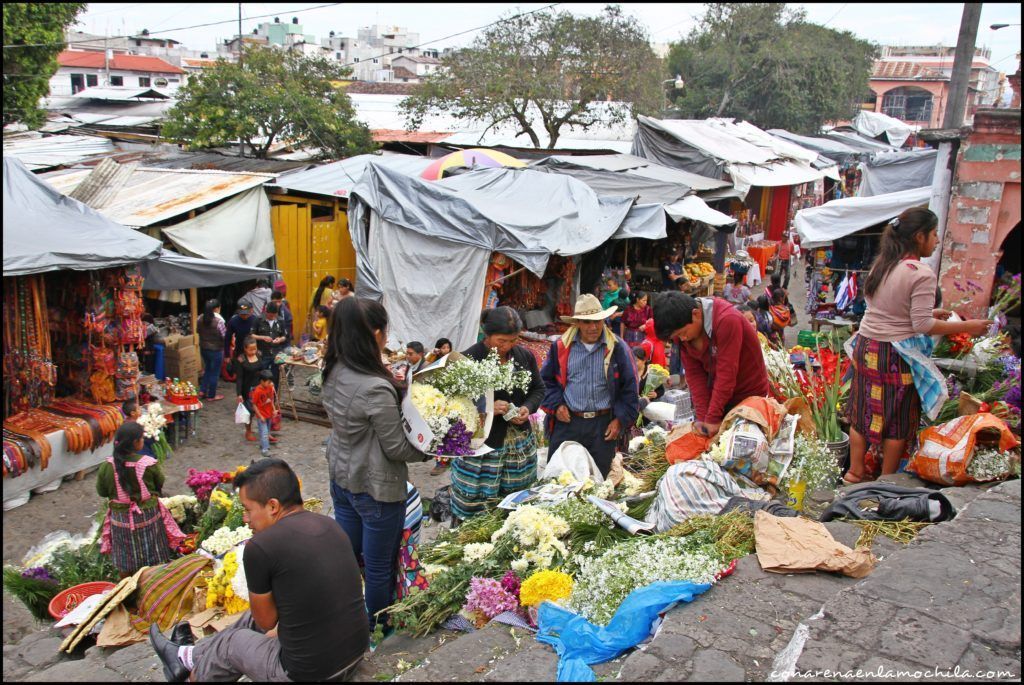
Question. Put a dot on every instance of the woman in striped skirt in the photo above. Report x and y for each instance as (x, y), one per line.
(893, 378)
(512, 465)
(138, 529)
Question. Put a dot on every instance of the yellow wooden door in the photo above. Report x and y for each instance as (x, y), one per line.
(292, 242)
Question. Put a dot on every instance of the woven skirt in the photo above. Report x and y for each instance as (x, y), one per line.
(883, 404)
(147, 545)
(475, 480)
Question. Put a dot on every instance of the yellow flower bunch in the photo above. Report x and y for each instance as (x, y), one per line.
(545, 585)
(658, 370)
(219, 591)
(221, 499)
(538, 531)
(428, 400)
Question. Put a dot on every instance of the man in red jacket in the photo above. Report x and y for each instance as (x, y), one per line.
(719, 351)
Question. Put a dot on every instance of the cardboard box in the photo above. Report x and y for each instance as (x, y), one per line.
(182, 354)
(177, 342)
(183, 369)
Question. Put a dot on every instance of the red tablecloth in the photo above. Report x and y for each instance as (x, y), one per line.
(761, 255)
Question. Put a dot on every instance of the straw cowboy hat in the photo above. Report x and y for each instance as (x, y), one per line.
(588, 308)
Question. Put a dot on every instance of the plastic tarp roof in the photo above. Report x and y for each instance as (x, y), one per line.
(856, 140)
(874, 124)
(81, 239)
(829, 148)
(693, 207)
(338, 178)
(422, 246)
(889, 172)
(237, 231)
(821, 225)
(639, 167)
(707, 147)
(46, 231)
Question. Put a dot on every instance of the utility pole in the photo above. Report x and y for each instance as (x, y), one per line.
(106, 62)
(962, 62)
(239, 34)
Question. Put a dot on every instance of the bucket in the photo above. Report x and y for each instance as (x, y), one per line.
(841, 449)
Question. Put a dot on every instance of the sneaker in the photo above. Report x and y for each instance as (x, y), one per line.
(265, 453)
(378, 636)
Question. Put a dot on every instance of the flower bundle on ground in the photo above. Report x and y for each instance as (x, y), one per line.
(813, 464)
(535, 533)
(550, 586)
(988, 463)
(603, 582)
(486, 599)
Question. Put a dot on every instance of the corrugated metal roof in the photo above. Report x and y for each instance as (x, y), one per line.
(120, 94)
(51, 151)
(389, 135)
(337, 178)
(153, 195)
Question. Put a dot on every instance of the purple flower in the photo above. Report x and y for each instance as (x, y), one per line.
(38, 573)
(456, 442)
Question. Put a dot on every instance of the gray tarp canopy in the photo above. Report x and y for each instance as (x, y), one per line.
(875, 124)
(422, 247)
(855, 140)
(47, 231)
(819, 226)
(829, 148)
(889, 172)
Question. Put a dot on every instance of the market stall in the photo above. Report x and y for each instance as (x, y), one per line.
(73, 327)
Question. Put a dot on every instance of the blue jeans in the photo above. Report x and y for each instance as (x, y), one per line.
(212, 360)
(263, 425)
(375, 529)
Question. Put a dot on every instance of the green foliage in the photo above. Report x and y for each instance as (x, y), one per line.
(762, 62)
(34, 593)
(543, 71)
(272, 96)
(27, 70)
(71, 566)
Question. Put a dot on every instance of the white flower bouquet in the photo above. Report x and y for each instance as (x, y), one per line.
(535, 532)
(181, 506)
(441, 410)
(813, 464)
(223, 539)
(153, 421)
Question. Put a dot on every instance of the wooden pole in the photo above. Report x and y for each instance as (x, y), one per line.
(193, 305)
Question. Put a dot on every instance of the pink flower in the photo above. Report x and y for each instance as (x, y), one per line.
(487, 596)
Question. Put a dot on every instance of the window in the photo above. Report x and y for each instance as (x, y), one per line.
(337, 56)
(375, 61)
(91, 80)
(117, 80)
(77, 83)
(908, 104)
(144, 82)
(356, 59)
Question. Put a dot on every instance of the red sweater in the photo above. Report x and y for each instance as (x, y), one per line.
(730, 369)
(263, 401)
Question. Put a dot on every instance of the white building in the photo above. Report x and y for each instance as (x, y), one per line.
(419, 66)
(81, 69)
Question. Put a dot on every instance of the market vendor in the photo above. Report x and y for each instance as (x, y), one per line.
(719, 352)
(672, 270)
(512, 465)
(138, 530)
(893, 377)
(271, 335)
(591, 384)
(307, 621)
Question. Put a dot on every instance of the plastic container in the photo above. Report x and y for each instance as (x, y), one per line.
(680, 398)
(64, 602)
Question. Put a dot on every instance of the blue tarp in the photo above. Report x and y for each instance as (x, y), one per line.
(580, 643)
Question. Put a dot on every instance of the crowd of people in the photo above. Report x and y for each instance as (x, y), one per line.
(311, 616)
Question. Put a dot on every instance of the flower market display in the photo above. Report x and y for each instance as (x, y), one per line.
(446, 399)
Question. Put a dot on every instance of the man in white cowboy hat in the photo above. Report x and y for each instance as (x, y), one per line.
(590, 381)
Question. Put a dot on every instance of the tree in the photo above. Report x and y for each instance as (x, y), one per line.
(544, 71)
(763, 62)
(39, 27)
(271, 96)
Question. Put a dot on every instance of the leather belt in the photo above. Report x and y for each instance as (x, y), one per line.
(590, 414)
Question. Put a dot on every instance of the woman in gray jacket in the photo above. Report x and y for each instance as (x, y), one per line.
(368, 450)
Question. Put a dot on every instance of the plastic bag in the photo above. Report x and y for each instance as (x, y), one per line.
(574, 457)
(580, 643)
(242, 414)
(441, 505)
(946, 449)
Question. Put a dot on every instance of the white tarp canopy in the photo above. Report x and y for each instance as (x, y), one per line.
(692, 207)
(819, 226)
(237, 231)
(874, 124)
(710, 146)
(422, 247)
(889, 172)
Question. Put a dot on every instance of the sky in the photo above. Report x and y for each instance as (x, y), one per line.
(883, 23)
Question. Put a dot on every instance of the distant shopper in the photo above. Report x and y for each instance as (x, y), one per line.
(635, 318)
(736, 292)
(212, 332)
(258, 297)
(264, 405)
(785, 257)
(272, 336)
(344, 290)
(247, 366)
(238, 328)
(442, 347)
(320, 326)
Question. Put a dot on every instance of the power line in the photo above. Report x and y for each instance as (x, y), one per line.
(836, 14)
(181, 28)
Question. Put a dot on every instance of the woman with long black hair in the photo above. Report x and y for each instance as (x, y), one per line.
(893, 377)
(368, 451)
(322, 297)
(212, 330)
(138, 530)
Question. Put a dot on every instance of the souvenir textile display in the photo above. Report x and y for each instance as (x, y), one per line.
(29, 373)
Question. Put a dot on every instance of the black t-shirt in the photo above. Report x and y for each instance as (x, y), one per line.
(307, 562)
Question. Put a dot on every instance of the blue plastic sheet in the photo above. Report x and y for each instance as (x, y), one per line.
(580, 643)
